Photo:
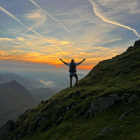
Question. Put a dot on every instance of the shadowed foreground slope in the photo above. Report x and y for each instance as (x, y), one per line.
(104, 105)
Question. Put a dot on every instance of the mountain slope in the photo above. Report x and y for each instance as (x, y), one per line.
(14, 100)
(106, 99)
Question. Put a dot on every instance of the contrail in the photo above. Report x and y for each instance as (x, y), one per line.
(106, 20)
(12, 16)
(3, 32)
(50, 16)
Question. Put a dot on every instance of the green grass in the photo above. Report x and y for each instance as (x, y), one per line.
(89, 128)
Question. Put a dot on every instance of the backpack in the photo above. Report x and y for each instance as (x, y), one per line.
(72, 68)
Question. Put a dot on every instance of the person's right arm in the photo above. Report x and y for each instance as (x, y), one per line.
(63, 61)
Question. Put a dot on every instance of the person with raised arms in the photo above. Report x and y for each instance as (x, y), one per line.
(72, 70)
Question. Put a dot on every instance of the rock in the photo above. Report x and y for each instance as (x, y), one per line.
(124, 95)
(77, 93)
(137, 43)
(105, 130)
(38, 116)
(129, 49)
(74, 105)
(132, 98)
(126, 113)
(59, 119)
(100, 104)
(42, 120)
(122, 98)
(136, 117)
(5, 129)
(67, 108)
(17, 137)
(29, 129)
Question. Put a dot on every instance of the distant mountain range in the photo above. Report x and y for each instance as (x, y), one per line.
(7, 77)
(14, 100)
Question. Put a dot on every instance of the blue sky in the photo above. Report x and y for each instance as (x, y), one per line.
(40, 32)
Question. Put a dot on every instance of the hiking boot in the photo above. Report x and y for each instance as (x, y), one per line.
(75, 84)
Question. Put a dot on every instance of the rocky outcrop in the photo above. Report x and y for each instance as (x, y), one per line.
(100, 104)
(129, 48)
(123, 99)
(137, 43)
(126, 113)
(132, 98)
(5, 129)
(105, 130)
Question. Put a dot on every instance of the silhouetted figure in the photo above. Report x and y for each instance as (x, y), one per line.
(72, 70)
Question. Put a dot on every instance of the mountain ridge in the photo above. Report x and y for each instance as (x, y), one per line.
(14, 99)
(7, 77)
(104, 105)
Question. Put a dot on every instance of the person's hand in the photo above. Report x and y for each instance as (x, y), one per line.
(60, 59)
(84, 59)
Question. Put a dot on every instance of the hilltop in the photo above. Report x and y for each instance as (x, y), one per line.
(105, 105)
(14, 100)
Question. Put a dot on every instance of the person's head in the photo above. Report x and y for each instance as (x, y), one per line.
(72, 60)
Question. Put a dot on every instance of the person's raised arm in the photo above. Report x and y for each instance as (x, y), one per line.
(63, 61)
(81, 61)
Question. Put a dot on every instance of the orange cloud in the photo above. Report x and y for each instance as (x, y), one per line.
(3, 53)
(35, 57)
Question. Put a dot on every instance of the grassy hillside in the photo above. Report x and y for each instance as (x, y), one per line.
(63, 116)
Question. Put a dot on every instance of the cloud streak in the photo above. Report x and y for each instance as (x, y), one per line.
(12, 16)
(6, 39)
(38, 16)
(50, 16)
(106, 20)
(3, 32)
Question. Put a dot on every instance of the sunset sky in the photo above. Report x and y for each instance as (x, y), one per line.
(34, 34)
